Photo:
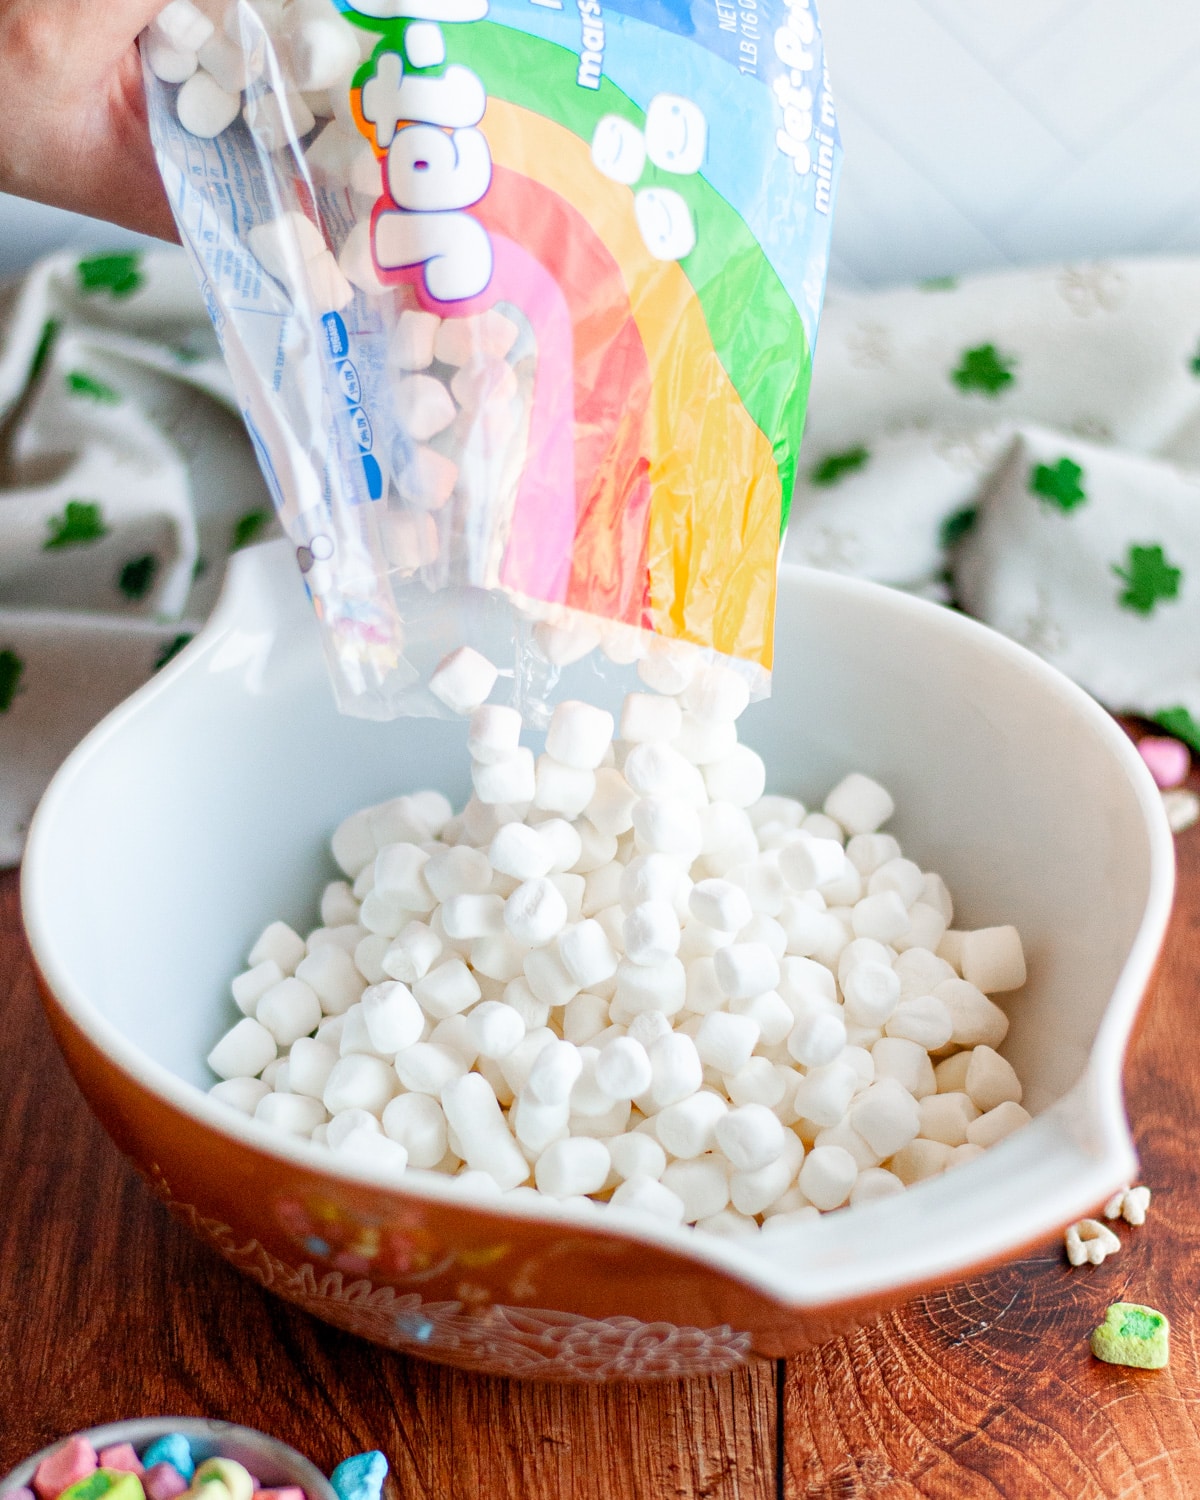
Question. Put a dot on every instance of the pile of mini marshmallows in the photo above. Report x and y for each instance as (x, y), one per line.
(622, 975)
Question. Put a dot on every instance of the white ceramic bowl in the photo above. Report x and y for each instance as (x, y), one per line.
(202, 808)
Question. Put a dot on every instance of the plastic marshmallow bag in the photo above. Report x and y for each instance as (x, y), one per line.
(519, 298)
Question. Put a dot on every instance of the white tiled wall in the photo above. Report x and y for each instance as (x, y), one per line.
(983, 133)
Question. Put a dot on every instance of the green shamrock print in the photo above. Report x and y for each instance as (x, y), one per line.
(1180, 723)
(82, 521)
(836, 466)
(955, 527)
(119, 274)
(171, 650)
(1058, 484)
(79, 384)
(984, 370)
(45, 347)
(249, 528)
(1148, 577)
(11, 668)
(136, 578)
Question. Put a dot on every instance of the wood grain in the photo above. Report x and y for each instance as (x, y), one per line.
(109, 1309)
(989, 1389)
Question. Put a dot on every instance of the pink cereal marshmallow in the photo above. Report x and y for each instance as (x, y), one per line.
(163, 1482)
(1168, 760)
(75, 1460)
(286, 1492)
(120, 1456)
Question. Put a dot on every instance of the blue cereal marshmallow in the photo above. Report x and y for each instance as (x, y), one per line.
(173, 1449)
(360, 1477)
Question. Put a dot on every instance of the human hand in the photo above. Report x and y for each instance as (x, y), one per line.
(73, 129)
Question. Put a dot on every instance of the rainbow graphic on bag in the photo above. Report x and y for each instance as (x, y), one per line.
(658, 186)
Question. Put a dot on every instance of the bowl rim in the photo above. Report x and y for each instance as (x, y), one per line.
(1094, 1104)
(138, 1430)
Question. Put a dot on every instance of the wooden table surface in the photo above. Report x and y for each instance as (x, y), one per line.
(109, 1309)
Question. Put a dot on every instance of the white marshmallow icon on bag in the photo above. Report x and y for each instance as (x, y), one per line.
(676, 134)
(618, 149)
(665, 222)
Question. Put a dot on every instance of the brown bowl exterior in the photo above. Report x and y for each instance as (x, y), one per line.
(484, 1292)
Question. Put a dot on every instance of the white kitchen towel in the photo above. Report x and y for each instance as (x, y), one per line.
(1026, 445)
(126, 478)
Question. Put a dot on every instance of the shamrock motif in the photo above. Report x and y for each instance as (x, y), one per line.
(1132, 1334)
(984, 370)
(45, 347)
(137, 576)
(1179, 722)
(1058, 484)
(1148, 577)
(171, 650)
(956, 526)
(80, 384)
(82, 521)
(249, 528)
(11, 668)
(119, 274)
(836, 466)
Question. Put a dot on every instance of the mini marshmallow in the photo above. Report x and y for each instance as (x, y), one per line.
(447, 989)
(875, 1182)
(577, 1165)
(746, 969)
(642, 1195)
(563, 841)
(636, 1155)
(871, 992)
(579, 735)
(249, 988)
(899, 875)
(416, 1122)
(611, 809)
(368, 957)
(506, 781)
(990, 1079)
(329, 971)
(656, 770)
(586, 953)
(925, 1020)
(886, 1116)
(359, 1082)
(824, 1093)
(726, 1042)
(689, 1127)
(993, 960)
(521, 852)
(827, 1176)
(234, 67)
(470, 916)
(806, 862)
(535, 912)
(474, 1116)
(703, 741)
(948, 1117)
(554, 1073)
(289, 1010)
(762, 882)
(667, 825)
(413, 340)
(986, 1129)
(907, 1062)
(562, 789)
(457, 871)
(584, 1018)
(668, 666)
(702, 1185)
(720, 904)
(867, 852)
(649, 877)
(750, 1136)
(818, 1034)
(753, 1191)
(597, 851)
(548, 978)
(738, 777)
(642, 987)
(182, 25)
(494, 734)
(321, 53)
(279, 942)
(168, 63)
(414, 952)
(566, 643)
(310, 1063)
(244, 1051)
(646, 717)
(883, 917)
(760, 1081)
(393, 1018)
(623, 1069)
(717, 693)
(676, 1069)
(464, 678)
(921, 1159)
(204, 108)
(245, 1094)
(295, 1114)
(651, 933)
(859, 804)
(275, 122)
(347, 1121)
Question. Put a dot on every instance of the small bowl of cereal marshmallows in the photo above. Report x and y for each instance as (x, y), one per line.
(682, 1030)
